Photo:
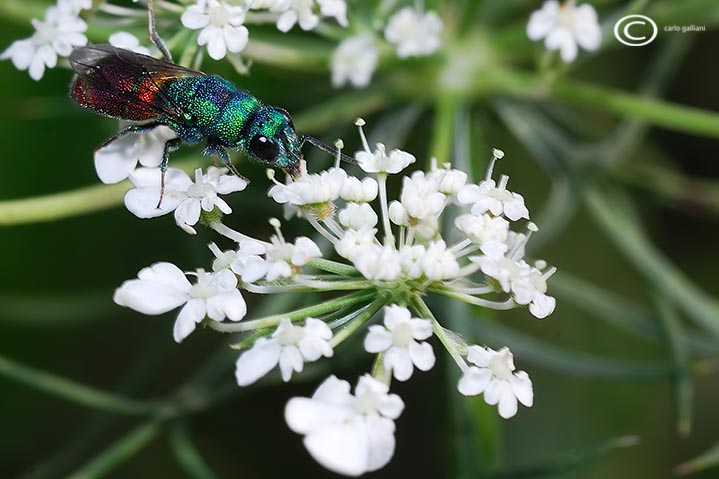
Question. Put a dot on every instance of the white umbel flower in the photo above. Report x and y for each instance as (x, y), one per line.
(380, 162)
(414, 33)
(183, 196)
(354, 61)
(359, 191)
(163, 287)
(438, 262)
(354, 242)
(310, 189)
(493, 374)
(285, 259)
(246, 262)
(378, 263)
(57, 35)
(496, 199)
(398, 340)
(222, 26)
(358, 216)
(348, 434)
(116, 161)
(290, 346)
(527, 284)
(564, 27)
(489, 232)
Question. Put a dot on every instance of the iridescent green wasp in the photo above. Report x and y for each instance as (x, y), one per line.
(123, 84)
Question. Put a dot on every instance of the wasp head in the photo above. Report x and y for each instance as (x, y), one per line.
(272, 139)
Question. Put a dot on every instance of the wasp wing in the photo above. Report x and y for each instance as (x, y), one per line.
(123, 84)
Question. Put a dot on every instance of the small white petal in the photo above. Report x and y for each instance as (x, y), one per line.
(191, 314)
(399, 362)
(522, 388)
(378, 339)
(290, 360)
(194, 18)
(474, 381)
(381, 442)
(257, 361)
(507, 405)
(422, 355)
(341, 448)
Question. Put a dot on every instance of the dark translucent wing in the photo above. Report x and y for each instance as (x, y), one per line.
(124, 84)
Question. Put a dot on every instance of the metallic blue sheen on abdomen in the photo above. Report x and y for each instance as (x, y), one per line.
(214, 107)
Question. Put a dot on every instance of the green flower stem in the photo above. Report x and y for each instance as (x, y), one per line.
(74, 392)
(62, 205)
(347, 330)
(186, 453)
(681, 377)
(563, 465)
(72, 203)
(670, 186)
(631, 241)
(308, 284)
(653, 111)
(333, 267)
(421, 307)
(621, 312)
(321, 285)
(444, 128)
(468, 298)
(123, 449)
(314, 310)
(707, 460)
(378, 371)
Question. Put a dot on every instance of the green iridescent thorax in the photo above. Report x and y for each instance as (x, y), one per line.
(214, 107)
(275, 125)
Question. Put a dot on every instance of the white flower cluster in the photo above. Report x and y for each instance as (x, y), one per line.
(565, 27)
(396, 254)
(56, 35)
(303, 12)
(222, 24)
(412, 32)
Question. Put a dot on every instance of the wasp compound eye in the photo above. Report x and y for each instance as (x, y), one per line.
(263, 148)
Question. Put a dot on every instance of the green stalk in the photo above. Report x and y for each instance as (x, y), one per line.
(74, 392)
(671, 281)
(72, 203)
(58, 206)
(578, 93)
(681, 377)
(333, 267)
(443, 130)
(119, 452)
(298, 314)
(347, 330)
(426, 313)
(186, 454)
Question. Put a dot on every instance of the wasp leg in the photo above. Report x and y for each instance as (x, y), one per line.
(220, 151)
(170, 145)
(127, 130)
(153, 32)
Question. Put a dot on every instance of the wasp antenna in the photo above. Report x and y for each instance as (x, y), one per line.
(326, 148)
(153, 32)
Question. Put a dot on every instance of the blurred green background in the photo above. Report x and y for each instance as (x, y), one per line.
(594, 381)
